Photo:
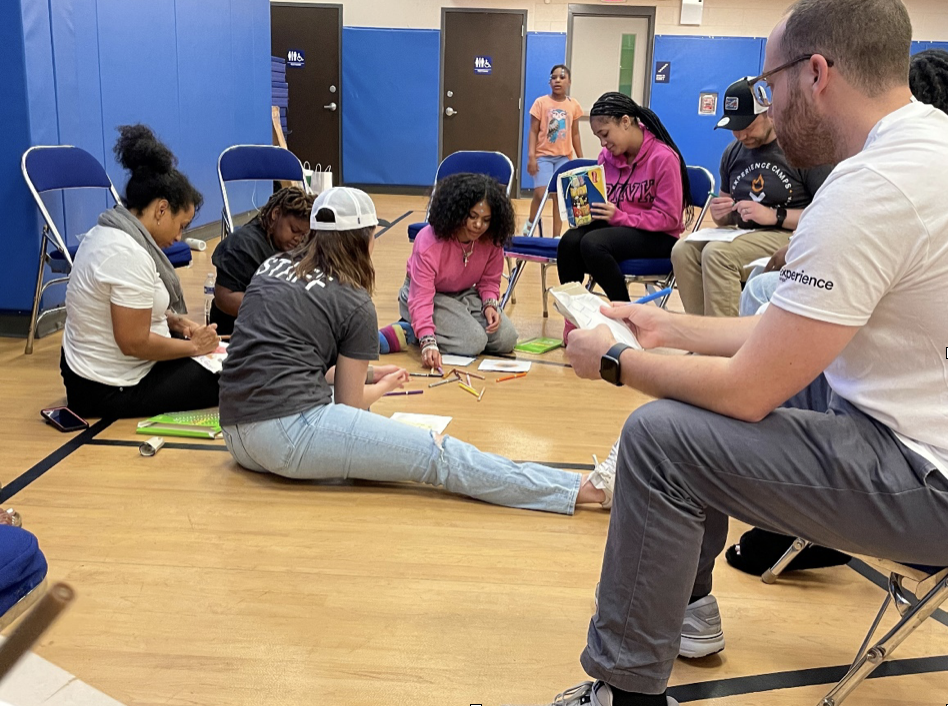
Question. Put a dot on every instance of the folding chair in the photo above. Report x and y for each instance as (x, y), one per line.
(22, 572)
(493, 164)
(657, 274)
(536, 248)
(57, 168)
(255, 163)
(914, 607)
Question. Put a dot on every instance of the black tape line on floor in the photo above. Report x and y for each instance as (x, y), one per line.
(168, 445)
(387, 228)
(76, 442)
(736, 686)
(882, 581)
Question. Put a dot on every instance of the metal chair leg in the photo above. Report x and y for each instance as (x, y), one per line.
(37, 296)
(771, 574)
(884, 648)
(512, 280)
(544, 290)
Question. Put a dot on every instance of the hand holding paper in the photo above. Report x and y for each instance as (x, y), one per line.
(583, 309)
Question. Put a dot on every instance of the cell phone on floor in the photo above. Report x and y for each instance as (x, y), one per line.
(64, 419)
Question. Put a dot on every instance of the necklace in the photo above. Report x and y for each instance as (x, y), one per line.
(466, 254)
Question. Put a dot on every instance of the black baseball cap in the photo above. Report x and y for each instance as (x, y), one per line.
(740, 106)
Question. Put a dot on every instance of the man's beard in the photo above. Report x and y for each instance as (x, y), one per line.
(805, 138)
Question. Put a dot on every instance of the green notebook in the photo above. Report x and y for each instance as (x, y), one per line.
(539, 346)
(200, 424)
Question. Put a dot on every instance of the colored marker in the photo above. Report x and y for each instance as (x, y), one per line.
(511, 377)
(425, 375)
(653, 296)
(468, 388)
(441, 382)
(403, 392)
(482, 394)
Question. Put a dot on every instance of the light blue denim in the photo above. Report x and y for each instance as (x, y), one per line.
(338, 442)
(546, 168)
(758, 291)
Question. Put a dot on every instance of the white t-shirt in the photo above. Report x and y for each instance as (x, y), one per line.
(110, 268)
(872, 251)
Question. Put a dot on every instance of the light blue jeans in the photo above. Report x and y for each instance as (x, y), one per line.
(337, 442)
(758, 291)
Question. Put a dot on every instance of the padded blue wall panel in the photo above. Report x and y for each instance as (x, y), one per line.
(544, 51)
(389, 125)
(701, 64)
(138, 66)
(20, 232)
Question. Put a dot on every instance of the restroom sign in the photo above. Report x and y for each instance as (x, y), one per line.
(296, 58)
(483, 65)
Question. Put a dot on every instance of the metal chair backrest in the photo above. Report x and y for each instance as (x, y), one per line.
(702, 190)
(255, 163)
(567, 166)
(492, 164)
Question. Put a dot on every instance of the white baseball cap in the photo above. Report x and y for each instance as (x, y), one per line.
(352, 208)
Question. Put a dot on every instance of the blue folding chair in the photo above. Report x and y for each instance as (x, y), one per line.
(657, 274)
(255, 163)
(493, 164)
(57, 168)
(536, 248)
(22, 573)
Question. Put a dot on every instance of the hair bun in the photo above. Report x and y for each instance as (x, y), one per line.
(138, 150)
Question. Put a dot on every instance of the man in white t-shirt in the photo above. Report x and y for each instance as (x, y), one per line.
(827, 416)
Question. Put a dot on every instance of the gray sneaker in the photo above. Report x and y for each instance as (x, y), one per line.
(701, 633)
(604, 475)
(590, 693)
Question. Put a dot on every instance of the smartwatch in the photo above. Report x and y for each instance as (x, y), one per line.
(610, 369)
(781, 215)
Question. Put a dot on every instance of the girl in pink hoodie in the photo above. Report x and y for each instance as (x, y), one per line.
(648, 192)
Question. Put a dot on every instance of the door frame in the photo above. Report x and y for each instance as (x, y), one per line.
(340, 7)
(515, 186)
(646, 12)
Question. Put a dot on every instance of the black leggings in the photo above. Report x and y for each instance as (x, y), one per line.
(597, 249)
(170, 386)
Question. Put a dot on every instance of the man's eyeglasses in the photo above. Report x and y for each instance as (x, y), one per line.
(760, 86)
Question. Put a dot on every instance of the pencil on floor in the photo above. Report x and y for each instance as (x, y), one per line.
(481, 395)
(511, 377)
(403, 392)
(468, 388)
(441, 382)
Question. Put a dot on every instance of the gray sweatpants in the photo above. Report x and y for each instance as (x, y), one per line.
(817, 468)
(460, 325)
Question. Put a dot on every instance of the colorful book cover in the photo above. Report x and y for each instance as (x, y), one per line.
(200, 424)
(539, 346)
(579, 189)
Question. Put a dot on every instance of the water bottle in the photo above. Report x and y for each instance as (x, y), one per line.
(208, 296)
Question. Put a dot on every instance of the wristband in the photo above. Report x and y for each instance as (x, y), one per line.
(490, 302)
(428, 342)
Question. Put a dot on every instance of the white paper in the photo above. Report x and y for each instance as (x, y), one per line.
(213, 361)
(456, 361)
(759, 262)
(718, 235)
(582, 309)
(505, 366)
(423, 421)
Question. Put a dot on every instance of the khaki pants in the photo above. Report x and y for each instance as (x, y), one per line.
(709, 275)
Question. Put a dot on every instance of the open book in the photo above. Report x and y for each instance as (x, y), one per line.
(581, 308)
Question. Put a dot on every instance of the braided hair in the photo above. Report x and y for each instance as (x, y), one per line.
(291, 201)
(928, 77)
(614, 105)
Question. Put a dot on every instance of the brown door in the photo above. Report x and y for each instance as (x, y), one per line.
(310, 37)
(482, 81)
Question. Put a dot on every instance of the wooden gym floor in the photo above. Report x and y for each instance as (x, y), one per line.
(201, 583)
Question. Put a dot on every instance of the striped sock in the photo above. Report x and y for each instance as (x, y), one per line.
(396, 337)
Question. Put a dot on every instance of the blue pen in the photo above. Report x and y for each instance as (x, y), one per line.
(654, 295)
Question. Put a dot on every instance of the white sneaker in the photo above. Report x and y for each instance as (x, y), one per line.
(603, 476)
(589, 693)
(701, 633)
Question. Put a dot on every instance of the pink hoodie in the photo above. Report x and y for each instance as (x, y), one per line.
(648, 193)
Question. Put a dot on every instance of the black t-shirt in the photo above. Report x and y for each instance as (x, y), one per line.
(236, 259)
(763, 175)
(290, 332)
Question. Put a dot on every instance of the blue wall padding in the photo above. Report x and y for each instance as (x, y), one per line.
(700, 64)
(922, 46)
(389, 124)
(544, 51)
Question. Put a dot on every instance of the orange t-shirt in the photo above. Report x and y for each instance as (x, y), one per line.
(556, 125)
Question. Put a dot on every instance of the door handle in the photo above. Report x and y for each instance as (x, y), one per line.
(331, 106)
(449, 111)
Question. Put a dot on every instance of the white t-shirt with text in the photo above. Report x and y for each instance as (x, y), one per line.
(110, 268)
(872, 251)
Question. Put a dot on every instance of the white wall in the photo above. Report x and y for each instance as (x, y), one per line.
(743, 18)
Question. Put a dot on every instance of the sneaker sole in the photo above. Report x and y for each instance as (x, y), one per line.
(698, 647)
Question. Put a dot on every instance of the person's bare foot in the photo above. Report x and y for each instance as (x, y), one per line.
(588, 493)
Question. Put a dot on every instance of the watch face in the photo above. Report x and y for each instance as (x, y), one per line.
(609, 369)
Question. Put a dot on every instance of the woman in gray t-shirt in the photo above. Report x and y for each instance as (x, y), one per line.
(308, 310)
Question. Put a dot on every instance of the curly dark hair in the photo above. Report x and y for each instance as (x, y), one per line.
(457, 194)
(290, 201)
(928, 77)
(154, 173)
